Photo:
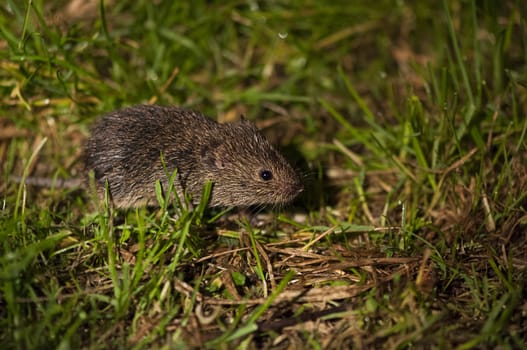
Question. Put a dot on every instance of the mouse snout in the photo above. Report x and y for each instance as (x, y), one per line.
(293, 189)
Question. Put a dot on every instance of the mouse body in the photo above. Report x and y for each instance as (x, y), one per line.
(132, 148)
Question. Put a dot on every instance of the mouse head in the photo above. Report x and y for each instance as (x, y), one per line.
(246, 170)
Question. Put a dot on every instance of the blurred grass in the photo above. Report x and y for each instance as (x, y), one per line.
(408, 118)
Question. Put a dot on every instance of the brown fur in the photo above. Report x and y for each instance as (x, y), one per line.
(126, 146)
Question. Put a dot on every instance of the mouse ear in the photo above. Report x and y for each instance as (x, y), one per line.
(212, 155)
(220, 164)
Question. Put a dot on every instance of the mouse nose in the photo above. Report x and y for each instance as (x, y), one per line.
(299, 187)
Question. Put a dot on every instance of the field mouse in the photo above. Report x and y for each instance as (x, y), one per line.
(126, 147)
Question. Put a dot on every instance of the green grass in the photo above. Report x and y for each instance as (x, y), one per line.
(408, 119)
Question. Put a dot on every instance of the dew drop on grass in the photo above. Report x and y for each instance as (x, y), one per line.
(151, 75)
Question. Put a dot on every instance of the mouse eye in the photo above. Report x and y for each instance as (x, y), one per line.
(266, 175)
